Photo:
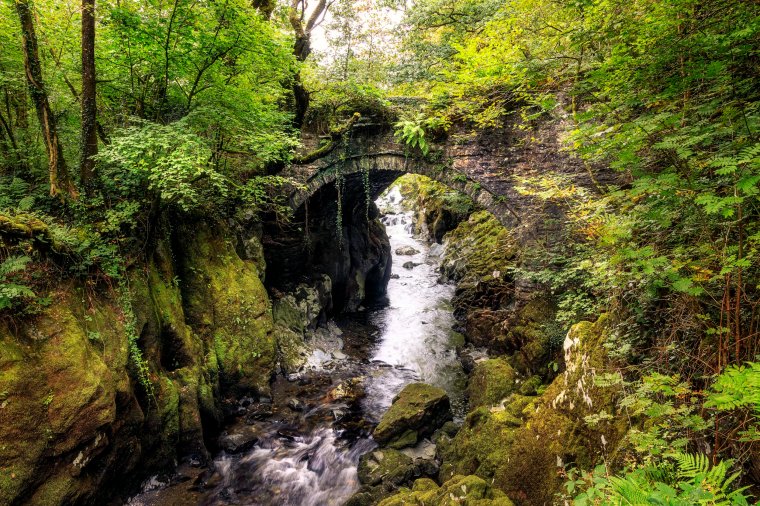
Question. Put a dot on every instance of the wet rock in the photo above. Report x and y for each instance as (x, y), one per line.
(406, 251)
(385, 466)
(258, 411)
(424, 451)
(239, 439)
(348, 391)
(436, 250)
(467, 359)
(410, 265)
(395, 276)
(295, 404)
(418, 407)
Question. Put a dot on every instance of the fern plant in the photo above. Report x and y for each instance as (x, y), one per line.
(683, 480)
(11, 292)
(412, 132)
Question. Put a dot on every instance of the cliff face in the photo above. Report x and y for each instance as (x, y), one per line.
(72, 418)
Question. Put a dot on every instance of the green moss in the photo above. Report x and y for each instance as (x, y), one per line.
(408, 438)
(492, 381)
(522, 444)
(459, 490)
(416, 407)
(531, 386)
(227, 305)
(480, 248)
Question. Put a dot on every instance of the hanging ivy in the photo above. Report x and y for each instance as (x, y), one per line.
(340, 186)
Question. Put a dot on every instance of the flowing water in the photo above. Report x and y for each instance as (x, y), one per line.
(312, 434)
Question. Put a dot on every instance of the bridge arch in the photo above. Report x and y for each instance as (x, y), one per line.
(382, 167)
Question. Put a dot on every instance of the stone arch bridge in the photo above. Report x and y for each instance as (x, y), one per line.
(374, 154)
(345, 244)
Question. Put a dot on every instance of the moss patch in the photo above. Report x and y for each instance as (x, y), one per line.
(492, 381)
(418, 407)
(459, 490)
(228, 306)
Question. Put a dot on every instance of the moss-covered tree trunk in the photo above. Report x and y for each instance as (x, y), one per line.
(89, 113)
(60, 180)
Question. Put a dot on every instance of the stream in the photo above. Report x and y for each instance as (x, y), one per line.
(310, 435)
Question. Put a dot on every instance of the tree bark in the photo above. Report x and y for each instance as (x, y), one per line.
(89, 139)
(60, 180)
(302, 28)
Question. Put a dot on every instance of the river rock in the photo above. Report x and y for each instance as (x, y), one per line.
(386, 466)
(410, 265)
(239, 439)
(406, 251)
(418, 408)
(348, 391)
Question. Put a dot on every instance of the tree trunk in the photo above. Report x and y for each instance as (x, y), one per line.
(302, 49)
(89, 140)
(60, 180)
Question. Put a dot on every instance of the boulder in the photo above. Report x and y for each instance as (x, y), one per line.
(239, 439)
(348, 391)
(464, 490)
(406, 251)
(385, 466)
(492, 381)
(418, 408)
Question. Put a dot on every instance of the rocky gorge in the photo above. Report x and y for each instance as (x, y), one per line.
(220, 310)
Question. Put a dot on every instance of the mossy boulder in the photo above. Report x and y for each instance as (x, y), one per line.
(459, 490)
(387, 466)
(418, 408)
(492, 381)
(524, 444)
(480, 248)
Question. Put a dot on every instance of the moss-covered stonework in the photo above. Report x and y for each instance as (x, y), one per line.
(523, 444)
(74, 422)
(458, 491)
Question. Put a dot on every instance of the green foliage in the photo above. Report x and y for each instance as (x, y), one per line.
(736, 387)
(12, 292)
(137, 361)
(167, 160)
(412, 133)
(683, 479)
